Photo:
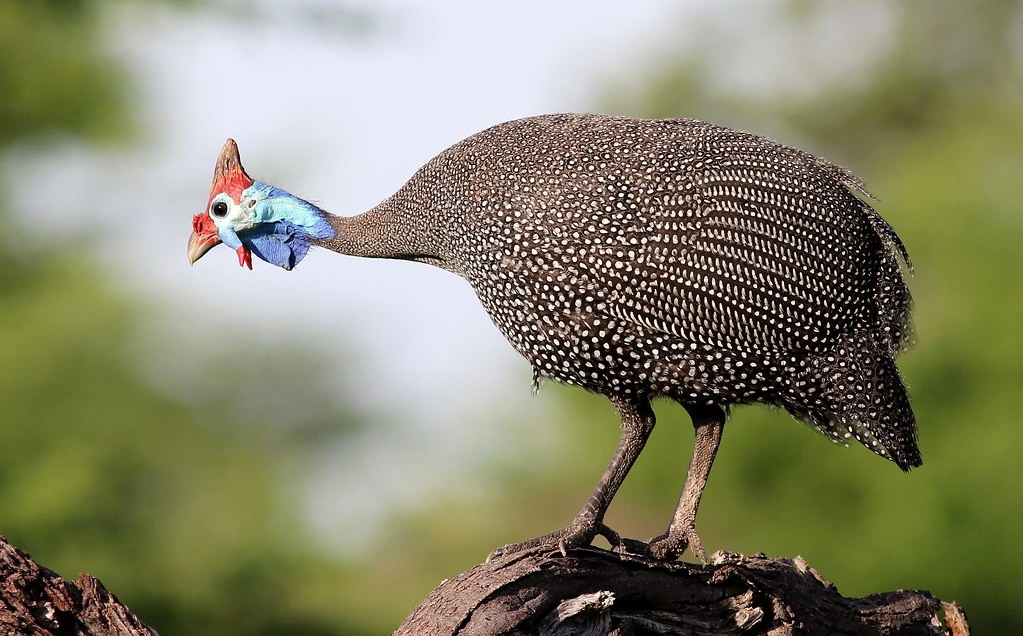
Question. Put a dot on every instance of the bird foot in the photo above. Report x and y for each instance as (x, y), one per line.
(578, 535)
(671, 545)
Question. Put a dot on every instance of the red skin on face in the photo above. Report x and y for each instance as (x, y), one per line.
(203, 225)
(228, 178)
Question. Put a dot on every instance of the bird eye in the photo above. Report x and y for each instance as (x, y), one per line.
(219, 209)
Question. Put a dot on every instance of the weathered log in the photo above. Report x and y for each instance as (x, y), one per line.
(596, 592)
(35, 600)
(588, 593)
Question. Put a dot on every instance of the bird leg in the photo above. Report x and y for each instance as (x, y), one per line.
(709, 422)
(637, 424)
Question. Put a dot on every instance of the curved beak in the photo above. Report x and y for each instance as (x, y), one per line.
(199, 244)
(204, 237)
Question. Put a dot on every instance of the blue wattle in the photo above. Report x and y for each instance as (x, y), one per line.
(230, 238)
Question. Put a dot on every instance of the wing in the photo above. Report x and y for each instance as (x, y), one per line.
(762, 248)
(705, 233)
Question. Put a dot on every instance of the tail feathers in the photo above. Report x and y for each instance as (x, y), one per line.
(861, 396)
(894, 302)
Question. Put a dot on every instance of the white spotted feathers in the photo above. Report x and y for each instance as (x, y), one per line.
(676, 258)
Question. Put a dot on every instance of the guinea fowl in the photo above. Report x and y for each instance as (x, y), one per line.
(640, 259)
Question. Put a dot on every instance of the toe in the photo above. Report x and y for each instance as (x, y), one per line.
(577, 535)
(673, 544)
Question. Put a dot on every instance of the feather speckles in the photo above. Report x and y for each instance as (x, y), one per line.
(674, 258)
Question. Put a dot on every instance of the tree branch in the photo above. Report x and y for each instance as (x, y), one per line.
(597, 592)
(588, 593)
(35, 600)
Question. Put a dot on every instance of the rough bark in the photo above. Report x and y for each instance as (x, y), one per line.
(594, 592)
(35, 601)
(588, 593)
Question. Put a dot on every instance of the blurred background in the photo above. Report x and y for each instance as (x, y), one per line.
(265, 452)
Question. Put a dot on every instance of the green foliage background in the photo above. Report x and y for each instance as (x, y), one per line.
(181, 507)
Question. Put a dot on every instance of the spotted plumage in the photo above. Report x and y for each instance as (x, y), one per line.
(675, 258)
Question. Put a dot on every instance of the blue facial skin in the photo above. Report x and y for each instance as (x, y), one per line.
(286, 226)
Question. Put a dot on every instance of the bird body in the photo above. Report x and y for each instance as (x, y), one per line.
(645, 258)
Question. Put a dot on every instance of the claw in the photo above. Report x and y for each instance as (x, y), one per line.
(577, 535)
(671, 545)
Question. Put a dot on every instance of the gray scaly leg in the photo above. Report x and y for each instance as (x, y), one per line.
(709, 422)
(637, 424)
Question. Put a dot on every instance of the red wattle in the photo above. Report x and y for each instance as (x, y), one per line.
(244, 257)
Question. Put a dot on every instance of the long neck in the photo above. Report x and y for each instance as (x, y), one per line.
(386, 231)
